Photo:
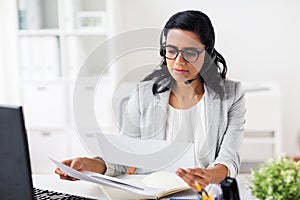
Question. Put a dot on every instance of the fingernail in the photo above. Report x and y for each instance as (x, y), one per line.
(178, 174)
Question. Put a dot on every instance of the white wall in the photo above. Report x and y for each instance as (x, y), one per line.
(9, 73)
(259, 39)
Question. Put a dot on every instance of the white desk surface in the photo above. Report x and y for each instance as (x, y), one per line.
(80, 188)
(91, 190)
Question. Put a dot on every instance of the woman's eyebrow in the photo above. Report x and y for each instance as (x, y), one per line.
(194, 48)
(171, 45)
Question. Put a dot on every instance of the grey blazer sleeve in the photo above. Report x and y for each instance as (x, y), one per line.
(132, 115)
(231, 141)
(131, 126)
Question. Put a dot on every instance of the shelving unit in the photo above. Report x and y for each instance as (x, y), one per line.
(55, 37)
(262, 138)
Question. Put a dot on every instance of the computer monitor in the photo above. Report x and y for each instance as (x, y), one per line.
(15, 171)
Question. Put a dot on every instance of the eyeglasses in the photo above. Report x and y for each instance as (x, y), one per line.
(188, 54)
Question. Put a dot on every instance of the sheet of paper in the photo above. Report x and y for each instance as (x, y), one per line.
(151, 154)
(186, 160)
(106, 180)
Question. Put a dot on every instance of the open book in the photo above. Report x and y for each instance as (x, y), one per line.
(152, 186)
(166, 183)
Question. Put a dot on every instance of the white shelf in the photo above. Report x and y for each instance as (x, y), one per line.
(65, 32)
(260, 140)
(262, 137)
(40, 32)
(88, 32)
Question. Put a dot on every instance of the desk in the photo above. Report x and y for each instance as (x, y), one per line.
(91, 190)
(81, 188)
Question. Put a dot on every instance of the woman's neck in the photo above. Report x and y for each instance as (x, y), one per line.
(184, 96)
(188, 91)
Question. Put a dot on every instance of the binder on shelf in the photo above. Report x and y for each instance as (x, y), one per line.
(25, 58)
(39, 57)
(74, 57)
(69, 14)
(29, 14)
(22, 14)
(33, 14)
(91, 20)
(50, 67)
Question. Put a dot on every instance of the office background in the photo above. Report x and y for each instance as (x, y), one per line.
(259, 40)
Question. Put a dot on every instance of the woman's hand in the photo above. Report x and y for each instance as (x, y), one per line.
(82, 164)
(202, 176)
(190, 176)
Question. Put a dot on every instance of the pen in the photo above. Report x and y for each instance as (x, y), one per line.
(202, 193)
(203, 196)
(210, 196)
(199, 190)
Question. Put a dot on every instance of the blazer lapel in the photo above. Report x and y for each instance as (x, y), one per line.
(160, 116)
(212, 107)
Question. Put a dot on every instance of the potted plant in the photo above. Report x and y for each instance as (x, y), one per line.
(276, 179)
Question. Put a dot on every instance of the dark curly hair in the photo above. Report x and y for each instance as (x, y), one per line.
(214, 66)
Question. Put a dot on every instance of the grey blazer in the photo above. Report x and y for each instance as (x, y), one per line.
(146, 117)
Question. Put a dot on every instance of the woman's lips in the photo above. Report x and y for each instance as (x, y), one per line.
(180, 71)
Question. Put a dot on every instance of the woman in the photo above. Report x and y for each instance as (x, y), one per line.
(188, 97)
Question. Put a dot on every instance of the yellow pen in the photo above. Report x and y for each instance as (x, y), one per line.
(210, 196)
(198, 186)
(203, 196)
(199, 189)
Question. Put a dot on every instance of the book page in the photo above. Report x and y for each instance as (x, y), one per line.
(167, 182)
(150, 186)
(108, 181)
(170, 182)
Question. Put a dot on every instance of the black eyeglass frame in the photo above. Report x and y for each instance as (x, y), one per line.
(198, 51)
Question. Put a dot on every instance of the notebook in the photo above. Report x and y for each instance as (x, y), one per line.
(167, 183)
(151, 186)
(15, 170)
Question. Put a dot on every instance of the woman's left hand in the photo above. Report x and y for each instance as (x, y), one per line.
(190, 176)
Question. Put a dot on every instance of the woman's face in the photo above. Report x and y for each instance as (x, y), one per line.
(180, 68)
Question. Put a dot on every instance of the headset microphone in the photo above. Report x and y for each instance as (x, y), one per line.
(187, 82)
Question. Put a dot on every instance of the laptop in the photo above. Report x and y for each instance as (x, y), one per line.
(15, 170)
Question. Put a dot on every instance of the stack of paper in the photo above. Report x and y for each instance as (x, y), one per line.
(150, 186)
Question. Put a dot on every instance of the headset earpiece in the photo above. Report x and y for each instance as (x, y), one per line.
(162, 43)
(210, 50)
(162, 51)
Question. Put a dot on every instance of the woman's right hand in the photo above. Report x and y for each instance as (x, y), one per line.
(82, 164)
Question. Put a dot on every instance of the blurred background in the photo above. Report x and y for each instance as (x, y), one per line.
(44, 43)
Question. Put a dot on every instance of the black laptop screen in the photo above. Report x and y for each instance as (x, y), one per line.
(15, 172)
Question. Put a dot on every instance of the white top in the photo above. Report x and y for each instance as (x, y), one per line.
(189, 124)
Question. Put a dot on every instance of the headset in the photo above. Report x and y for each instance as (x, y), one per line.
(209, 49)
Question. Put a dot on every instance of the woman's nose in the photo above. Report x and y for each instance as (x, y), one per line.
(179, 58)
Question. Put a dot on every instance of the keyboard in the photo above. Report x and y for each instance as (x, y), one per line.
(41, 194)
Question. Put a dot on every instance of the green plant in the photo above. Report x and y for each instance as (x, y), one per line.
(276, 179)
